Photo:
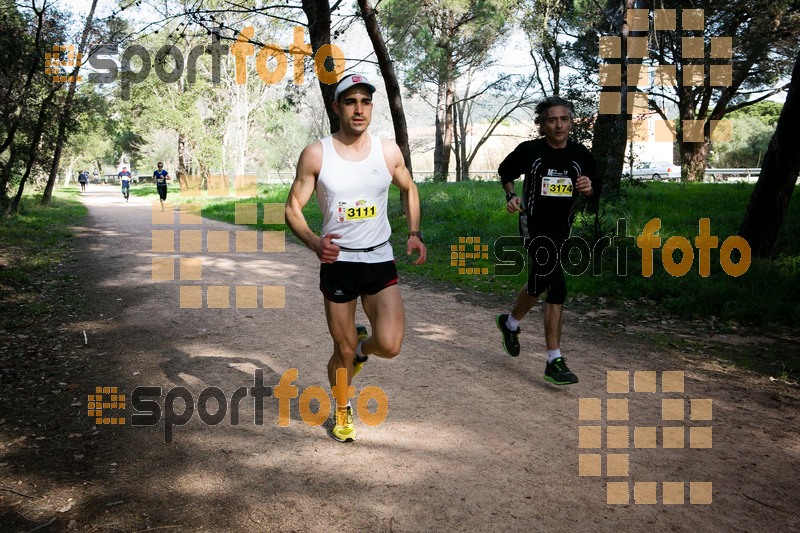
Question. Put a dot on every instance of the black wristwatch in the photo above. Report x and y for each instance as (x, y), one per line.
(510, 195)
(417, 234)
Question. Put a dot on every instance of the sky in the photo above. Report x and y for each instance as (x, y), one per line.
(355, 43)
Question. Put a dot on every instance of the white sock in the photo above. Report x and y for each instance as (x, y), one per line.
(553, 354)
(512, 323)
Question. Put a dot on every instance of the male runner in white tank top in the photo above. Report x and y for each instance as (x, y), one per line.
(351, 172)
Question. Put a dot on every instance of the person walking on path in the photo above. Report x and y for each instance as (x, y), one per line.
(83, 177)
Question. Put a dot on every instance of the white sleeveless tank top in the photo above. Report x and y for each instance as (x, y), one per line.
(353, 197)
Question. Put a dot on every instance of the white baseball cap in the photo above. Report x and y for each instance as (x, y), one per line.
(351, 80)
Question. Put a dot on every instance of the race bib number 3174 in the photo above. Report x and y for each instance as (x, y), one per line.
(561, 187)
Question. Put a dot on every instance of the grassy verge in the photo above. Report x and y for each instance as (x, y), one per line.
(458, 214)
(767, 293)
(149, 189)
(35, 248)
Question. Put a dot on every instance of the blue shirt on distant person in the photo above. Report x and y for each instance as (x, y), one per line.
(125, 176)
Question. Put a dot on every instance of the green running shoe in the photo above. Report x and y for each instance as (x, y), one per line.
(558, 373)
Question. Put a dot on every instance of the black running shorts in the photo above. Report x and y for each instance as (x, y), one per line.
(344, 281)
(162, 192)
(545, 272)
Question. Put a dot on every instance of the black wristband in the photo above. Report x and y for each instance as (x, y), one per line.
(417, 234)
(510, 195)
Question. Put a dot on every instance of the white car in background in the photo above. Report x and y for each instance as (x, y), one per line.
(657, 170)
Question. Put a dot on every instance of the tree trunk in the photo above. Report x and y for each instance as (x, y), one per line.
(389, 78)
(610, 130)
(444, 130)
(318, 13)
(773, 191)
(182, 173)
(464, 165)
(458, 163)
(458, 138)
(25, 92)
(35, 141)
(449, 125)
(608, 148)
(70, 170)
(5, 175)
(243, 127)
(62, 127)
(693, 160)
(461, 129)
(438, 147)
(66, 112)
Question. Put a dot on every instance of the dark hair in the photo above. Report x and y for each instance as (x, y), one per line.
(552, 101)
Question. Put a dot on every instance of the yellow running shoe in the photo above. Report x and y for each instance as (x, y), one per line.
(361, 330)
(344, 430)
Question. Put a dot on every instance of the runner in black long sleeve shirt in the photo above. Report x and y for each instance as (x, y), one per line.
(556, 170)
(549, 191)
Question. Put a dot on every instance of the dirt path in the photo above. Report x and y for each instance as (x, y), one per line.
(474, 439)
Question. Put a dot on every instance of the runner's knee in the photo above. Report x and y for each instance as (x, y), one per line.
(345, 349)
(389, 345)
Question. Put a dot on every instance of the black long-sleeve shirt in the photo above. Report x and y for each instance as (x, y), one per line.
(549, 192)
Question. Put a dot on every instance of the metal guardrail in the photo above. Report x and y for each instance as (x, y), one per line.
(732, 175)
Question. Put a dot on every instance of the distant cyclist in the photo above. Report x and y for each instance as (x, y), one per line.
(125, 178)
(161, 178)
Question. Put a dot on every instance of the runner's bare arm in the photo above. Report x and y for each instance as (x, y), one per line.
(308, 168)
(401, 178)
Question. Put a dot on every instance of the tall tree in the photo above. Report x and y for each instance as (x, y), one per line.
(479, 111)
(764, 37)
(178, 104)
(38, 132)
(389, 78)
(66, 110)
(776, 183)
(318, 13)
(436, 43)
(26, 34)
(685, 58)
(545, 22)
(14, 31)
(610, 131)
(601, 50)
